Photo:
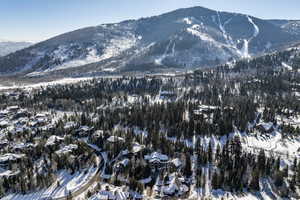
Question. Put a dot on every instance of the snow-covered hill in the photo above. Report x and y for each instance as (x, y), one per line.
(290, 26)
(182, 39)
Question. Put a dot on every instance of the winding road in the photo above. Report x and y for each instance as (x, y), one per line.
(96, 177)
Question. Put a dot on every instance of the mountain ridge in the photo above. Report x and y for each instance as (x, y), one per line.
(183, 39)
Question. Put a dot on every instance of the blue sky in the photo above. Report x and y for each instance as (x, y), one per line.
(36, 20)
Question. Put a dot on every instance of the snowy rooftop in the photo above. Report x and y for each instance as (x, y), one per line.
(98, 133)
(67, 149)
(124, 162)
(207, 107)
(84, 129)
(23, 145)
(11, 108)
(115, 139)
(146, 180)
(40, 115)
(52, 140)
(4, 112)
(4, 123)
(7, 173)
(174, 186)
(111, 195)
(176, 162)
(10, 157)
(137, 148)
(69, 125)
(155, 156)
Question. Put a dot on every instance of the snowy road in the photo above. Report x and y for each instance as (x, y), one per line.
(77, 184)
(88, 184)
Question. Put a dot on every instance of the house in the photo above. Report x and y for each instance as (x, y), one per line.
(21, 114)
(167, 95)
(175, 164)
(8, 174)
(67, 149)
(96, 138)
(70, 125)
(39, 120)
(114, 139)
(136, 148)
(98, 133)
(120, 166)
(84, 131)
(157, 159)
(23, 147)
(54, 141)
(4, 124)
(10, 158)
(111, 194)
(3, 114)
(22, 121)
(173, 186)
(3, 144)
(12, 109)
(133, 98)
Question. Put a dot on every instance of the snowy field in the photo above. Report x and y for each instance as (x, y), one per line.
(44, 84)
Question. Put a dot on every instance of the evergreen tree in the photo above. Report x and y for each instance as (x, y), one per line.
(254, 184)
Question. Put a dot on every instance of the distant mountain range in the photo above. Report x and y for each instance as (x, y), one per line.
(179, 40)
(7, 47)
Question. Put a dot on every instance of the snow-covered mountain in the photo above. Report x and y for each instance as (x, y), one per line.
(7, 47)
(182, 39)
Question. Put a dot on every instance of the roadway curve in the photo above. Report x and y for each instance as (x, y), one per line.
(83, 189)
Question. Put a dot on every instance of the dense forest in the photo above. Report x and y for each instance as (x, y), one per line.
(203, 119)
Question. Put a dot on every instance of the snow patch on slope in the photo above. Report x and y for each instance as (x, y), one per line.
(187, 20)
(256, 29)
(118, 45)
(159, 60)
(115, 47)
(245, 49)
(90, 58)
(230, 43)
(223, 30)
(195, 30)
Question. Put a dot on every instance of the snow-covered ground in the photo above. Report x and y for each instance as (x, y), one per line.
(68, 183)
(273, 143)
(114, 48)
(168, 52)
(195, 30)
(266, 193)
(45, 84)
